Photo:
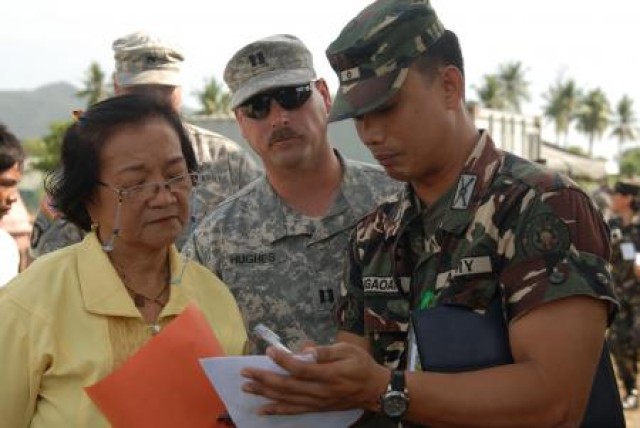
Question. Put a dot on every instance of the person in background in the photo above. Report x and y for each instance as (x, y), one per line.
(149, 65)
(76, 315)
(279, 243)
(11, 166)
(624, 334)
(474, 225)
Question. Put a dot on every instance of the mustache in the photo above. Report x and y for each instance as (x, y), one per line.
(283, 133)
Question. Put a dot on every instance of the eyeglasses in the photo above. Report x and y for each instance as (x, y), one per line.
(142, 192)
(289, 98)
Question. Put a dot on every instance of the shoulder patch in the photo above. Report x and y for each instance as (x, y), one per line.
(546, 234)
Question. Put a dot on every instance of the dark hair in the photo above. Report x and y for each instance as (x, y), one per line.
(445, 51)
(73, 185)
(11, 151)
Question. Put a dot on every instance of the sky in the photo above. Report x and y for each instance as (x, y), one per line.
(595, 43)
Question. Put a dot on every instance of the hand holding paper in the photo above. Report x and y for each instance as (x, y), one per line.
(245, 408)
(345, 377)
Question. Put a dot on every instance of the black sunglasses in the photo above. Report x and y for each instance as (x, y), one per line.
(289, 98)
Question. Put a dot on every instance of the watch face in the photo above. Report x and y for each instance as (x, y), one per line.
(394, 404)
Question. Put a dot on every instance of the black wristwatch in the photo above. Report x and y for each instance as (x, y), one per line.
(395, 400)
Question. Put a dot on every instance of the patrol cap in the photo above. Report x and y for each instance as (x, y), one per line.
(372, 54)
(627, 188)
(275, 61)
(143, 59)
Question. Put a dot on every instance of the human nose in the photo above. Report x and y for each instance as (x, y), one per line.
(368, 130)
(279, 116)
(163, 192)
(11, 196)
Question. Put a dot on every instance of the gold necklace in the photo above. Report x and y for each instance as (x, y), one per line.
(139, 299)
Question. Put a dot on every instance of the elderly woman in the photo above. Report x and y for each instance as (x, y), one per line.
(77, 314)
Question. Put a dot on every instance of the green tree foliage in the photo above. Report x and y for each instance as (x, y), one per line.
(593, 116)
(514, 86)
(630, 163)
(490, 93)
(46, 152)
(95, 88)
(214, 99)
(562, 101)
(624, 123)
(504, 90)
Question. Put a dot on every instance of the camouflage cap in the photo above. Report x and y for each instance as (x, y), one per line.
(272, 62)
(627, 187)
(372, 54)
(142, 59)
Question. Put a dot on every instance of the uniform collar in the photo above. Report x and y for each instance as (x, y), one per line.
(103, 292)
(282, 221)
(473, 182)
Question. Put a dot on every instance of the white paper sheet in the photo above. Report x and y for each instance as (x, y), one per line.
(224, 374)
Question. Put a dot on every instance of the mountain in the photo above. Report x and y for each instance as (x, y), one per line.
(28, 113)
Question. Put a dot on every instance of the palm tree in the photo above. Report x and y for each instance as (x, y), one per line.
(562, 102)
(514, 86)
(593, 115)
(95, 88)
(490, 93)
(214, 98)
(624, 124)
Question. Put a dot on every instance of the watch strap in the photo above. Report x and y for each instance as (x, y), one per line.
(397, 382)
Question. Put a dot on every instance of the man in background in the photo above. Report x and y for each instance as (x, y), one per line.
(147, 64)
(11, 165)
(279, 243)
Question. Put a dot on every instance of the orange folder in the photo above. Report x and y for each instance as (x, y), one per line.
(163, 385)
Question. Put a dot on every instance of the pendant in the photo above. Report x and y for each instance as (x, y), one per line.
(138, 300)
(155, 329)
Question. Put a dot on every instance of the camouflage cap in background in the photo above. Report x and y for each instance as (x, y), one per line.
(372, 54)
(627, 187)
(272, 62)
(143, 59)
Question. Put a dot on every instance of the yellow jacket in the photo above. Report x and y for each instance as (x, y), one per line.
(68, 321)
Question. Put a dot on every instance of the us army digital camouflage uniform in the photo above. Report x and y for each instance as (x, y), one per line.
(224, 169)
(508, 226)
(624, 334)
(284, 268)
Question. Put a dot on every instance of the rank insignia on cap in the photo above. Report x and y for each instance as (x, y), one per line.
(350, 74)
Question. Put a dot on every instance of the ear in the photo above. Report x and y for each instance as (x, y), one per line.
(323, 89)
(453, 86)
(240, 118)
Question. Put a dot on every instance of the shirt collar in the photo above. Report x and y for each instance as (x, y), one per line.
(283, 221)
(473, 182)
(103, 292)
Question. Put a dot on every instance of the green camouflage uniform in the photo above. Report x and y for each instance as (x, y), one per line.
(508, 226)
(284, 268)
(224, 167)
(623, 337)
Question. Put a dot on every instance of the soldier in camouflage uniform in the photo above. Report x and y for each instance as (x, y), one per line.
(279, 244)
(147, 64)
(473, 225)
(625, 244)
